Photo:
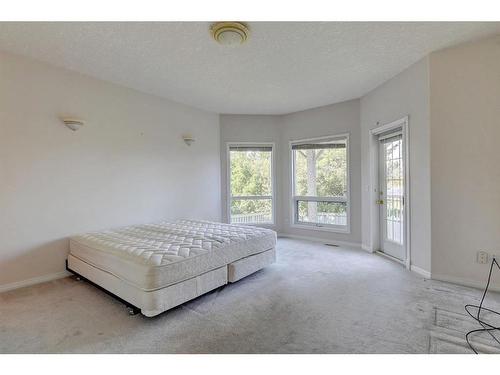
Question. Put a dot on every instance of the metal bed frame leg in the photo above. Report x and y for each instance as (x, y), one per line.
(132, 310)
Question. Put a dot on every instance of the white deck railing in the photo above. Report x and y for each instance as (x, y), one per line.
(250, 218)
(322, 218)
(332, 218)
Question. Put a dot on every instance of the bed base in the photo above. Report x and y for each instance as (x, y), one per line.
(154, 302)
(132, 310)
(249, 265)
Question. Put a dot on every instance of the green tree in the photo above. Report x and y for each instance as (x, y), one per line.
(323, 173)
(318, 172)
(251, 176)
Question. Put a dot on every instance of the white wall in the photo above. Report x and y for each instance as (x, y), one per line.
(127, 165)
(407, 94)
(465, 133)
(330, 120)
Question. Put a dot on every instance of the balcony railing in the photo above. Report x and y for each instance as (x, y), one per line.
(331, 218)
(262, 218)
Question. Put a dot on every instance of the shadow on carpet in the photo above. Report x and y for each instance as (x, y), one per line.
(447, 334)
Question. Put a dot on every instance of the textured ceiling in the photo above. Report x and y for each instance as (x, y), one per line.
(283, 67)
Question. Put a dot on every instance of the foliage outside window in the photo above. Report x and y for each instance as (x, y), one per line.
(251, 184)
(320, 183)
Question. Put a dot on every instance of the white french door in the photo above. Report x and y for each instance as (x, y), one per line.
(391, 195)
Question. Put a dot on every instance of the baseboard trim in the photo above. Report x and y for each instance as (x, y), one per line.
(33, 281)
(390, 257)
(420, 271)
(466, 282)
(367, 248)
(322, 240)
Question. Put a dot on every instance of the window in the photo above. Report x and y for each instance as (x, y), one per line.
(321, 183)
(250, 184)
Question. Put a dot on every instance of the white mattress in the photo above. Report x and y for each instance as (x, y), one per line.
(153, 256)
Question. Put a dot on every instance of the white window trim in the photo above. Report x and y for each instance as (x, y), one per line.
(293, 214)
(229, 197)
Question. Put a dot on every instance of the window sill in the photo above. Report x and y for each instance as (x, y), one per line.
(346, 230)
(263, 225)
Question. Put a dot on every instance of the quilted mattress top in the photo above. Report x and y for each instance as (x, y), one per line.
(164, 243)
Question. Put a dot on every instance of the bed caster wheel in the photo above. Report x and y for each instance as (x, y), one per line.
(78, 278)
(133, 311)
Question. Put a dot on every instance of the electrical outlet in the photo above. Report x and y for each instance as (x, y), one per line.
(482, 257)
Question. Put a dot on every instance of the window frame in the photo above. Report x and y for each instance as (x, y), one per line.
(229, 196)
(294, 199)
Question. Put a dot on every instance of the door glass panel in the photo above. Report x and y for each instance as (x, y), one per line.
(394, 189)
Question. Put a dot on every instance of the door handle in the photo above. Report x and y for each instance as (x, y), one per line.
(380, 201)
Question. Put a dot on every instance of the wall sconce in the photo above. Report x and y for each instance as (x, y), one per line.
(72, 123)
(188, 139)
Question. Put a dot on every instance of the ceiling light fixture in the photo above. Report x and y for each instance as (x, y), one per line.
(229, 33)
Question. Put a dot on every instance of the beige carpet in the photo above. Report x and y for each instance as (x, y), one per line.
(447, 333)
(315, 299)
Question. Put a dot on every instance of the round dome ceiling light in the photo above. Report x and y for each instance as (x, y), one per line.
(229, 33)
